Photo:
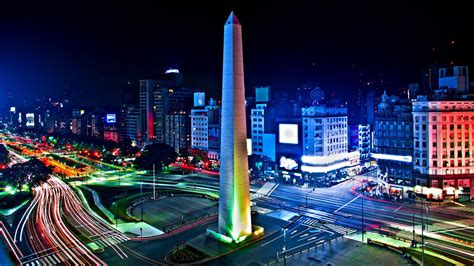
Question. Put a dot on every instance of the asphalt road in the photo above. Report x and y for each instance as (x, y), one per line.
(447, 229)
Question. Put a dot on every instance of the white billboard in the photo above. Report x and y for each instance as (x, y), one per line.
(288, 133)
(110, 118)
(30, 119)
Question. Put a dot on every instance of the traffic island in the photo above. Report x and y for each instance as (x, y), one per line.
(207, 244)
(186, 254)
(257, 232)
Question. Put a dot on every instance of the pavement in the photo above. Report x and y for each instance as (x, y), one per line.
(5, 258)
(140, 229)
(353, 211)
(344, 251)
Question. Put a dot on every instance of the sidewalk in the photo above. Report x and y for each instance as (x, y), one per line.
(344, 251)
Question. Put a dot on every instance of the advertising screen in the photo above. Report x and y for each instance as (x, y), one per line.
(30, 119)
(288, 133)
(288, 163)
(110, 118)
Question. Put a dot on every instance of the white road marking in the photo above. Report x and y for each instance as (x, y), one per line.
(346, 204)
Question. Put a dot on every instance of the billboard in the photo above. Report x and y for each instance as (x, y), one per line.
(288, 163)
(30, 119)
(288, 133)
(249, 147)
(110, 118)
(262, 94)
(199, 99)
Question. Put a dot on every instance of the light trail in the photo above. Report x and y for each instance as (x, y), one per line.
(57, 206)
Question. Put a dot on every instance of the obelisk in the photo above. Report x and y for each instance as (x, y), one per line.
(234, 196)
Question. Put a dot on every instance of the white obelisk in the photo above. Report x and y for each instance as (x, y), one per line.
(234, 196)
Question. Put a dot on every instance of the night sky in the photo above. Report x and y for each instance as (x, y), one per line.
(92, 49)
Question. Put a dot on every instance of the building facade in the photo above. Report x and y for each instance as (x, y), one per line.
(158, 98)
(205, 128)
(325, 139)
(393, 146)
(176, 131)
(443, 144)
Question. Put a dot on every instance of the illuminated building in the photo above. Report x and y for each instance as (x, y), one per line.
(360, 139)
(393, 145)
(454, 78)
(176, 130)
(205, 127)
(429, 79)
(234, 196)
(269, 112)
(325, 141)
(110, 127)
(324, 130)
(158, 98)
(443, 142)
(257, 119)
(78, 122)
(129, 115)
(129, 123)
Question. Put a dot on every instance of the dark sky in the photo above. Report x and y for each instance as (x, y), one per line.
(97, 48)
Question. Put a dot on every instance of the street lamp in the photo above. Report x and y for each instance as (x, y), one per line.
(141, 201)
(114, 204)
(284, 245)
(154, 185)
(307, 197)
(423, 207)
(362, 208)
(362, 215)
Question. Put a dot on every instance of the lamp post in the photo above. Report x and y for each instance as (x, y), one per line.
(422, 235)
(284, 246)
(115, 214)
(423, 207)
(141, 201)
(154, 185)
(362, 216)
(413, 222)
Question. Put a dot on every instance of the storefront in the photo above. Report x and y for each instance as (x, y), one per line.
(454, 186)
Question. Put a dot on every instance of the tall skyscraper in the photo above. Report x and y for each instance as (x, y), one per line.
(159, 97)
(234, 196)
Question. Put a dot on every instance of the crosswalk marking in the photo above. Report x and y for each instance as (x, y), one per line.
(322, 216)
(340, 229)
(53, 259)
(313, 222)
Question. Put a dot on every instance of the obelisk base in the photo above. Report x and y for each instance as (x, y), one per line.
(257, 232)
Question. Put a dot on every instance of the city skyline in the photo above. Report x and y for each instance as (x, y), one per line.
(312, 158)
(53, 46)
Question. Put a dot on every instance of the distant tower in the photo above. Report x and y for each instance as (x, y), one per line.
(234, 195)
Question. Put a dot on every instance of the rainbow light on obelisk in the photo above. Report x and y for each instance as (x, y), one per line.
(234, 194)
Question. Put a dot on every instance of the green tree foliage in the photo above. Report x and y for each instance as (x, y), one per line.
(32, 172)
(3, 154)
(159, 154)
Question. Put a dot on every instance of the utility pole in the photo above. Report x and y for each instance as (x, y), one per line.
(154, 185)
(141, 202)
(362, 210)
(413, 222)
(422, 234)
(284, 246)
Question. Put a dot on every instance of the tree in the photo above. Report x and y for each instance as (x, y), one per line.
(159, 154)
(3, 154)
(257, 164)
(126, 147)
(32, 172)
